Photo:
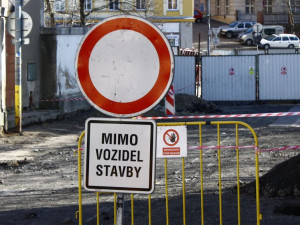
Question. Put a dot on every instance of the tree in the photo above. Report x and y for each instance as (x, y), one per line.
(291, 17)
(49, 9)
(74, 14)
(82, 15)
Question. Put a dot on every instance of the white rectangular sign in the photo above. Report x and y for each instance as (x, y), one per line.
(171, 141)
(120, 155)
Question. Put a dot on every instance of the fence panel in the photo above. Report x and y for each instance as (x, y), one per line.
(279, 77)
(196, 189)
(185, 75)
(229, 78)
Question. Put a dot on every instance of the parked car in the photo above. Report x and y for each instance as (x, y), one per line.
(279, 41)
(198, 16)
(234, 28)
(247, 36)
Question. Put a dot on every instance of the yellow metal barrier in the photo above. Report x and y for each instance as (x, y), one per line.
(218, 124)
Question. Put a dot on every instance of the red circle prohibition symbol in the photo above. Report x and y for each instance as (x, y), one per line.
(155, 93)
(171, 137)
(283, 69)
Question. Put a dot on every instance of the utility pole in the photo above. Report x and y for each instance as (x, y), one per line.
(18, 64)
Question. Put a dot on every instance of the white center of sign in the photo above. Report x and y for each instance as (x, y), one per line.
(118, 60)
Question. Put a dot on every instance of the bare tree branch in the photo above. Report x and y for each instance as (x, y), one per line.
(51, 13)
(76, 15)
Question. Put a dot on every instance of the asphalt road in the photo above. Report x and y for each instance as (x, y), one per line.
(39, 185)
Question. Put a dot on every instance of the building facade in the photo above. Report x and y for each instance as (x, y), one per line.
(263, 11)
(46, 73)
(174, 17)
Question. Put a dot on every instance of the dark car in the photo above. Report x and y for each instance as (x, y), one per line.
(198, 16)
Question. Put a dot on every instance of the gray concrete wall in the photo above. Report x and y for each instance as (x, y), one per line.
(58, 51)
(31, 55)
(186, 31)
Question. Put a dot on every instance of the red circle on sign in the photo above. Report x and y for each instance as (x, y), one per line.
(161, 85)
(168, 135)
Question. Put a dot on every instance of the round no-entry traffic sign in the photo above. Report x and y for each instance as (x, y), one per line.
(124, 66)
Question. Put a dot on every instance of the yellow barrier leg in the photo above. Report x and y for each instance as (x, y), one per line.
(238, 173)
(183, 191)
(98, 209)
(220, 180)
(115, 209)
(201, 174)
(167, 197)
(149, 208)
(258, 215)
(132, 210)
(79, 177)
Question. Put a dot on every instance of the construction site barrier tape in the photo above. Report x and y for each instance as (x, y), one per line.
(218, 147)
(63, 99)
(279, 114)
(295, 147)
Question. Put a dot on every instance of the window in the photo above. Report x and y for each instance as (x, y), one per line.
(294, 38)
(233, 24)
(277, 39)
(218, 7)
(250, 4)
(285, 38)
(269, 31)
(247, 25)
(270, 38)
(172, 4)
(241, 25)
(295, 4)
(88, 5)
(140, 4)
(267, 6)
(113, 4)
(59, 5)
(227, 7)
(31, 71)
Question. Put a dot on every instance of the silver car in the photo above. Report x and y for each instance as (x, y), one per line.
(247, 37)
(234, 28)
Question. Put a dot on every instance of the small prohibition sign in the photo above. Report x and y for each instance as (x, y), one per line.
(171, 137)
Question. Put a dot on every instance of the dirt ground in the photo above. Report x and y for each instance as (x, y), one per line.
(39, 184)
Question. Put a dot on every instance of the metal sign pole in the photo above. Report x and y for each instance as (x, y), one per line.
(120, 209)
(18, 63)
(3, 65)
(208, 29)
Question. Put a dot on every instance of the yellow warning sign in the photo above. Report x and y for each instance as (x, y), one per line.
(251, 70)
